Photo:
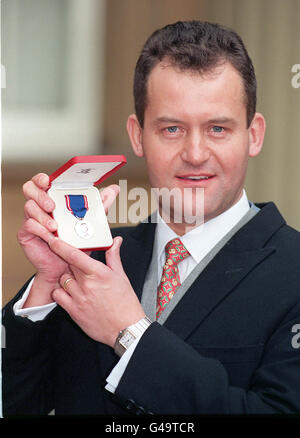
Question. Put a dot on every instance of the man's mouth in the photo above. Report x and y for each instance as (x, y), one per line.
(195, 177)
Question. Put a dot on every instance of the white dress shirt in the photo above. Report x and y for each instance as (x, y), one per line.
(199, 241)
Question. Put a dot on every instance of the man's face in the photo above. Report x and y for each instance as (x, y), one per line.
(195, 127)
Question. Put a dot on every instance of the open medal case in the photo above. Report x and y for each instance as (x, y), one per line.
(79, 211)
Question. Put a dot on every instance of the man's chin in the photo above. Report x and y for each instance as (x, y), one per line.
(184, 220)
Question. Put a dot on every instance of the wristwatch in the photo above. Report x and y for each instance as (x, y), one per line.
(127, 336)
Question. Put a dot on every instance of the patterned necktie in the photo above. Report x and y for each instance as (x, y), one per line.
(170, 280)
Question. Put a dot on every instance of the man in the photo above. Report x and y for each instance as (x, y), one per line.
(221, 342)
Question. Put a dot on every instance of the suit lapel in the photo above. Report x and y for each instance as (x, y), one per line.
(217, 281)
(246, 249)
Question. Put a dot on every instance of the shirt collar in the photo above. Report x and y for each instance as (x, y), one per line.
(200, 240)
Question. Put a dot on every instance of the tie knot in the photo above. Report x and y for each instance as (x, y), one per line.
(175, 251)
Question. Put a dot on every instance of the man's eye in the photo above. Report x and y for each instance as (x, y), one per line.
(172, 129)
(217, 129)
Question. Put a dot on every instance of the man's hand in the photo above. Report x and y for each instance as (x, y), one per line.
(99, 297)
(35, 233)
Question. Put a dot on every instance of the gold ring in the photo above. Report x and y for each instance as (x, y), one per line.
(66, 282)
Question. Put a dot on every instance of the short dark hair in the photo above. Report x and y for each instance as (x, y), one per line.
(198, 46)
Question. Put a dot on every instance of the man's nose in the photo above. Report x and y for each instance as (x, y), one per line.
(195, 150)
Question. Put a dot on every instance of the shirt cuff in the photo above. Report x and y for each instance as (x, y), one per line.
(115, 376)
(37, 313)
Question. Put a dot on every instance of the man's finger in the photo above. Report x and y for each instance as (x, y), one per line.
(41, 180)
(108, 195)
(32, 228)
(76, 257)
(31, 209)
(65, 282)
(32, 191)
(112, 256)
(63, 299)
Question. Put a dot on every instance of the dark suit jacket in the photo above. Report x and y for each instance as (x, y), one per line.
(226, 348)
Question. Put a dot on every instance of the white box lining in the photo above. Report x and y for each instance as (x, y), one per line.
(95, 216)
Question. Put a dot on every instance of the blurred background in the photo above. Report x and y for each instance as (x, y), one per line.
(69, 66)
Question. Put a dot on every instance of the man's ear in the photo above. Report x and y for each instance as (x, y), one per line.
(256, 134)
(135, 135)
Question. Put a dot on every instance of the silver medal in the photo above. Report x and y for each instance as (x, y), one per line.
(84, 229)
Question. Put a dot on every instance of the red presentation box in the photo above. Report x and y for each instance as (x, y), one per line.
(79, 211)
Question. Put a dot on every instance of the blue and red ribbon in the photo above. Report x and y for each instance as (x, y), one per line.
(77, 205)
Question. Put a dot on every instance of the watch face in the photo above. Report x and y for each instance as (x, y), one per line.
(126, 339)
